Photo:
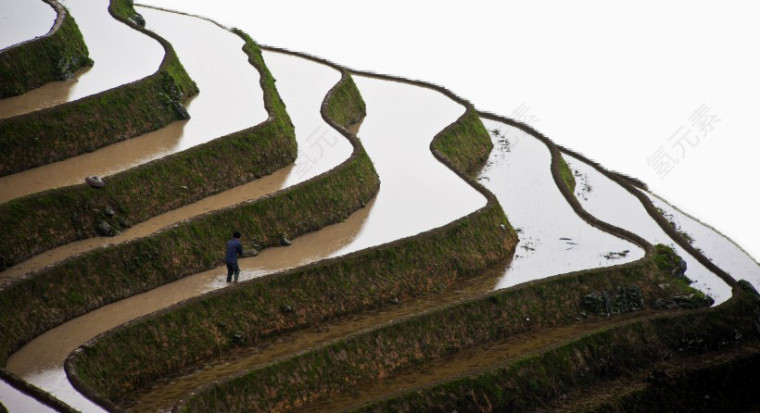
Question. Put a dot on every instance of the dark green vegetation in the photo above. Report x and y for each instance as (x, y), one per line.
(567, 174)
(38, 222)
(133, 356)
(362, 358)
(458, 146)
(644, 348)
(73, 128)
(89, 281)
(55, 56)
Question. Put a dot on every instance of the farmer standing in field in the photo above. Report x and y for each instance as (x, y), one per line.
(234, 250)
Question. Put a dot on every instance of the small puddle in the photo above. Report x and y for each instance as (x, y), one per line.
(17, 401)
(553, 238)
(230, 100)
(610, 202)
(22, 20)
(718, 248)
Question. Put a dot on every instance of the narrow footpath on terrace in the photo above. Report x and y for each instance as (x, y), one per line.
(305, 249)
(230, 100)
(302, 85)
(121, 54)
(557, 241)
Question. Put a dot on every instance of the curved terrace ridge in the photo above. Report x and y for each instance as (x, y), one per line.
(445, 150)
(355, 173)
(560, 180)
(54, 56)
(98, 120)
(42, 221)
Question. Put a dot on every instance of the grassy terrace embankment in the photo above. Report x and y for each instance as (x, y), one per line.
(73, 128)
(39, 222)
(540, 380)
(54, 56)
(380, 353)
(139, 352)
(39, 302)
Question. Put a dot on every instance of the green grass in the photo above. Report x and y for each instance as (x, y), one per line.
(39, 222)
(362, 358)
(133, 356)
(536, 381)
(567, 174)
(106, 275)
(53, 57)
(81, 126)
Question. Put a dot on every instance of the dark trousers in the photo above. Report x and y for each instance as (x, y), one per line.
(232, 269)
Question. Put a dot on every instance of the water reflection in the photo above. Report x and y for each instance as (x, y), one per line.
(22, 20)
(714, 245)
(16, 401)
(230, 100)
(50, 94)
(40, 361)
(553, 238)
(417, 193)
(610, 202)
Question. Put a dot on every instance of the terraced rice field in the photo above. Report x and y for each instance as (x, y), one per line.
(403, 250)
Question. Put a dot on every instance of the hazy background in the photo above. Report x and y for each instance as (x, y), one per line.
(673, 82)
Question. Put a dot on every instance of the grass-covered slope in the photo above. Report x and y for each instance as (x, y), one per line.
(73, 128)
(86, 282)
(54, 56)
(142, 351)
(342, 365)
(39, 222)
(540, 381)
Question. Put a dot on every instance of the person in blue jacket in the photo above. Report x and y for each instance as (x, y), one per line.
(234, 250)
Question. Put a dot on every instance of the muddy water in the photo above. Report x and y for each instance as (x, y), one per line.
(40, 362)
(37, 363)
(17, 401)
(553, 239)
(302, 86)
(50, 94)
(121, 54)
(418, 193)
(714, 245)
(610, 202)
(22, 20)
(230, 100)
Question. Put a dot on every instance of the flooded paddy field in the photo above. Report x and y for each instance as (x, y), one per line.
(417, 194)
(121, 55)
